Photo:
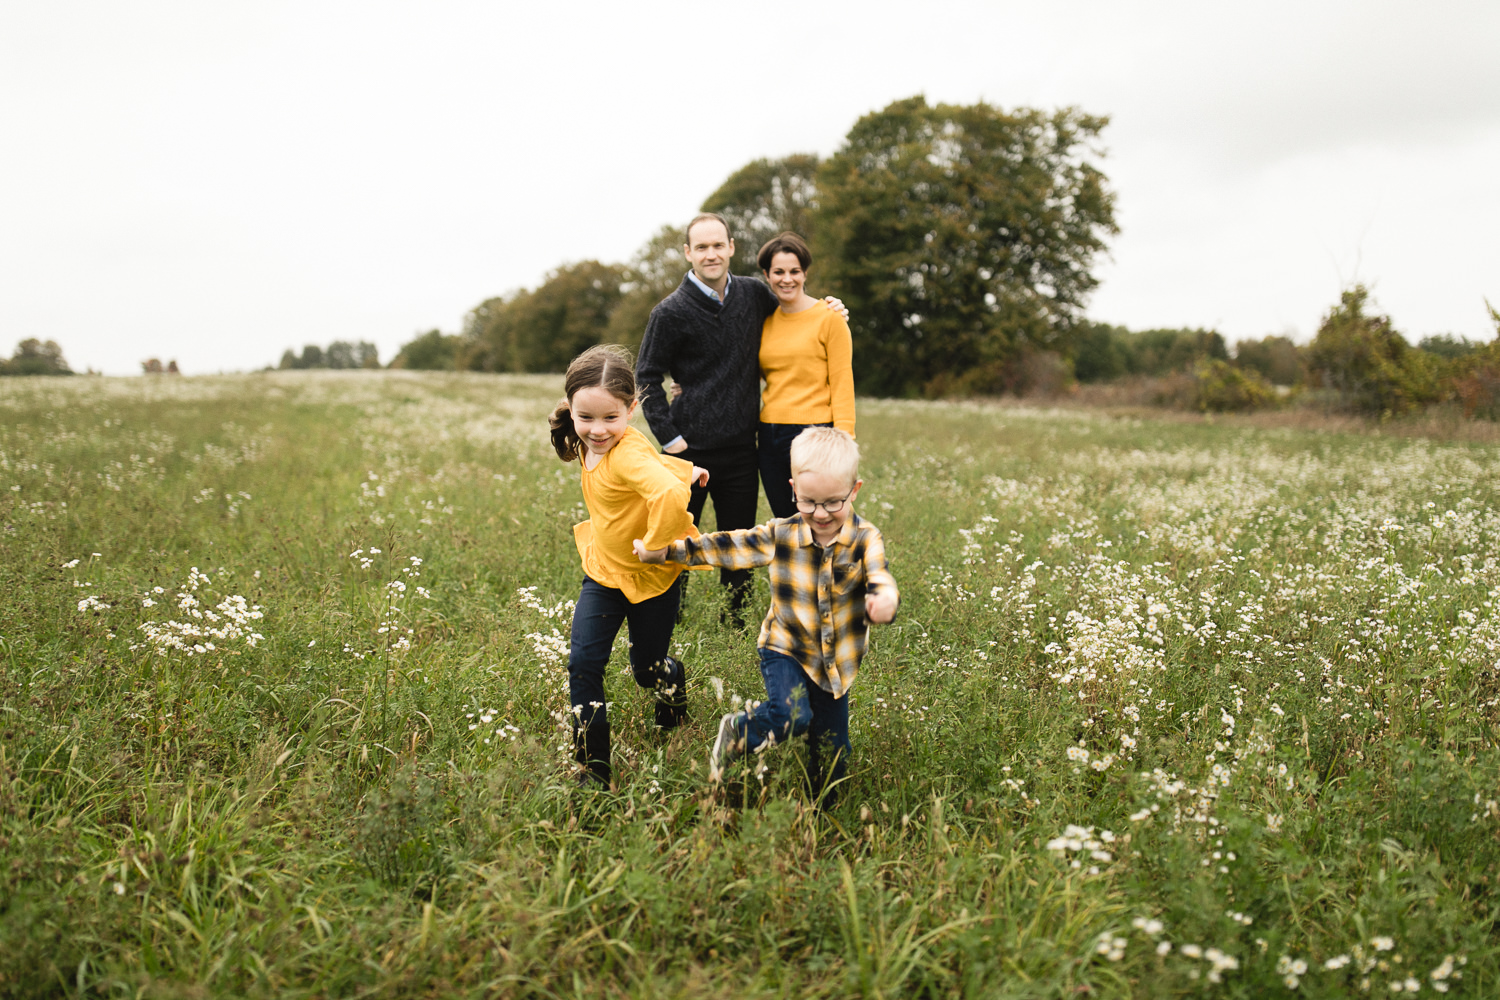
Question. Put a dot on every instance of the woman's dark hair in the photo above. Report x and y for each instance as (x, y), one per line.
(784, 243)
(606, 366)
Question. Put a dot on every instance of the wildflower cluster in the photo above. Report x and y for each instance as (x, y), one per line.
(202, 628)
(395, 635)
(479, 723)
(551, 648)
(1217, 960)
(1076, 841)
(1379, 966)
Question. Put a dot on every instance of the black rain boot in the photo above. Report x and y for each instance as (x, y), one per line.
(671, 694)
(591, 748)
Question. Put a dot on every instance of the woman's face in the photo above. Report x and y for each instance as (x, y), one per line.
(787, 277)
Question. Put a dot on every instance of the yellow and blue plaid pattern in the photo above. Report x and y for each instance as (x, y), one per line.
(817, 614)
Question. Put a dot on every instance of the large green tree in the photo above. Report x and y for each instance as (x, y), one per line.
(433, 351)
(542, 330)
(36, 357)
(764, 198)
(1275, 357)
(653, 273)
(961, 238)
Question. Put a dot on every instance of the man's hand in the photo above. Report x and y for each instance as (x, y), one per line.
(646, 555)
(674, 449)
(700, 476)
(880, 607)
(837, 305)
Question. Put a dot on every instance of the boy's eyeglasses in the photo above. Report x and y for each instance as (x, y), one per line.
(829, 506)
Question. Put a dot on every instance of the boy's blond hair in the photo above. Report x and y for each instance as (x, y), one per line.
(827, 450)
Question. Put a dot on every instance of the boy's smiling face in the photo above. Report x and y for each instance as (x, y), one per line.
(819, 487)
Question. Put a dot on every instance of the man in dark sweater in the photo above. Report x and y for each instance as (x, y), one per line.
(706, 334)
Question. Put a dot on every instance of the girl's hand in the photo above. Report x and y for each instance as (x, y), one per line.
(700, 476)
(880, 607)
(646, 555)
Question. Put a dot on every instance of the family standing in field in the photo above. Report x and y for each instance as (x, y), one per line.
(718, 336)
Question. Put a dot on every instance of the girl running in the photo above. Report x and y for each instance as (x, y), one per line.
(631, 492)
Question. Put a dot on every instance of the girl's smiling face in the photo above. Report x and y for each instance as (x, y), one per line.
(599, 418)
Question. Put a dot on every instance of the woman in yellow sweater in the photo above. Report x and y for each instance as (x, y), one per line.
(806, 358)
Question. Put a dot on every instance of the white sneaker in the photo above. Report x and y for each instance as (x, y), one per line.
(728, 746)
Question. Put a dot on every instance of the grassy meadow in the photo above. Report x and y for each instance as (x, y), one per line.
(1172, 708)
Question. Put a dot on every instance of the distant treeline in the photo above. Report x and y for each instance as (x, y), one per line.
(962, 239)
(339, 354)
(1357, 363)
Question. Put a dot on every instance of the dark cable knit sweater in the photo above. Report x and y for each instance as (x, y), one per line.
(713, 351)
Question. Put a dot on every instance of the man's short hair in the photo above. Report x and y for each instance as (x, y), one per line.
(687, 235)
(827, 450)
(787, 242)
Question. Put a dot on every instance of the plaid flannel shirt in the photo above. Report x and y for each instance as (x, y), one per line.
(817, 612)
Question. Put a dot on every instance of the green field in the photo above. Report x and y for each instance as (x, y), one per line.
(1171, 708)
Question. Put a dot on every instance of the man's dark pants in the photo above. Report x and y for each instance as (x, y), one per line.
(734, 485)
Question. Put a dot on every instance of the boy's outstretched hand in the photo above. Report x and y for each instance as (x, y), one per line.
(646, 555)
(880, 607)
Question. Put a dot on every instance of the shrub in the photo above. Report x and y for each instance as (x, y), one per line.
(1369, 367)
(1474, 376)
(1221, 387)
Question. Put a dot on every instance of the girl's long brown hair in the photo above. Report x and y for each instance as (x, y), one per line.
(605, 366)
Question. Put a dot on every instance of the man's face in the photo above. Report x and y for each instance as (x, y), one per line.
(709, 249)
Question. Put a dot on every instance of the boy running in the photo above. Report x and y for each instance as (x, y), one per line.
(828, 579)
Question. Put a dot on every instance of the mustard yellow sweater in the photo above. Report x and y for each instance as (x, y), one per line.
(807, 361)
(633, 493)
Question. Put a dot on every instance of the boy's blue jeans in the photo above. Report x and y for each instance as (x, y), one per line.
(794, 705)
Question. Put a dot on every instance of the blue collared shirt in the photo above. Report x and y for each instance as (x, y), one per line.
(693, 277)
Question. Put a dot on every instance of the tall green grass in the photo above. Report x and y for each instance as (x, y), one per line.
(1171, 708)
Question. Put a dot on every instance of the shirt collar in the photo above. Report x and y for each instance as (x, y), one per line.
(844, 537)
(693, 277)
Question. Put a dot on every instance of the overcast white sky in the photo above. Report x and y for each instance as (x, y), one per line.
(218, 182)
